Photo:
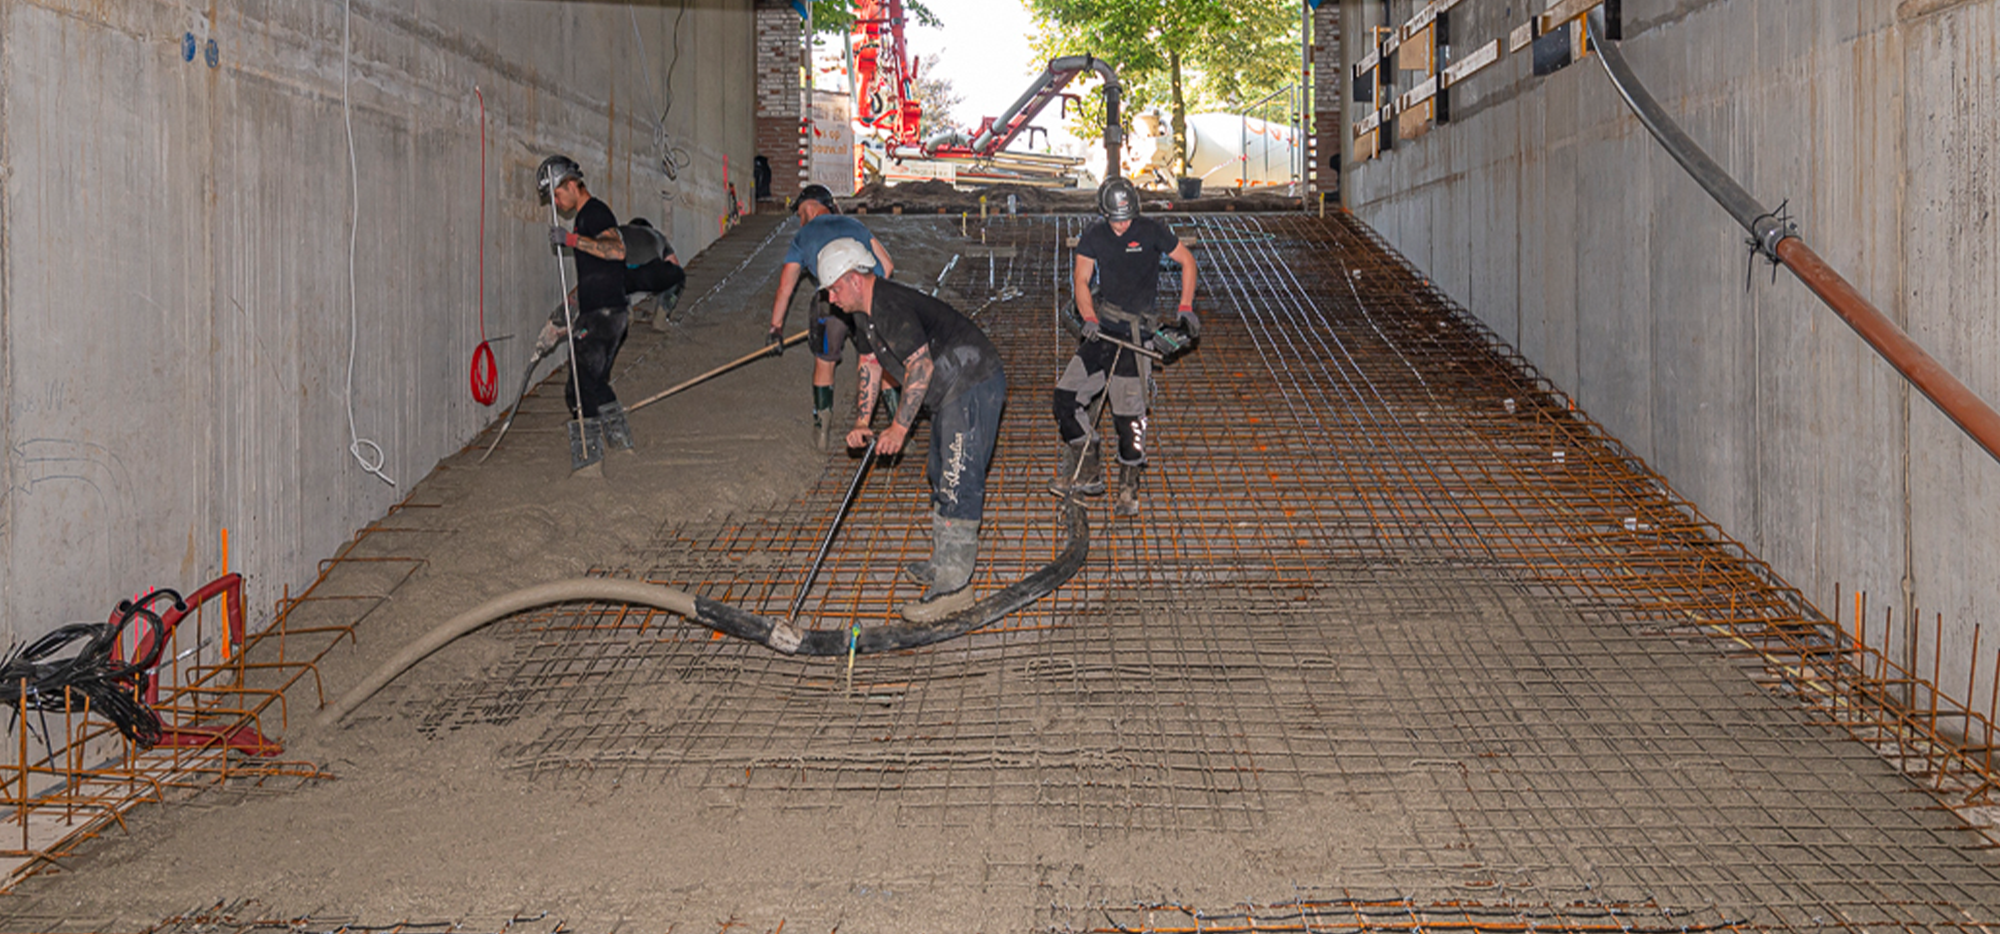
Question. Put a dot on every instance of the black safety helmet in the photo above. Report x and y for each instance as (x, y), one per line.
(1118, 199)
(553, 172)
(815, 192)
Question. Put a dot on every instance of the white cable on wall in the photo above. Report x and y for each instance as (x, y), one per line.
(360, 447)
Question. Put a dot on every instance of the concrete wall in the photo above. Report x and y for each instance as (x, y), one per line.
(1549, 212)
(175, 310)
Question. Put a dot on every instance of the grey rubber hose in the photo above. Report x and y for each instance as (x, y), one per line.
(590, 588)
(775, 634)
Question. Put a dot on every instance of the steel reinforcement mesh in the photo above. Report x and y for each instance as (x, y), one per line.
(1382, 567)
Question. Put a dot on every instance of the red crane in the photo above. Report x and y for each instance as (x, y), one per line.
(885, 100)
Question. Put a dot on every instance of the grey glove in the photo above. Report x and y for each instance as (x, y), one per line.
(1190, 324)
(561, 236)
(775, 340)
(1090, 329)
(551, 334)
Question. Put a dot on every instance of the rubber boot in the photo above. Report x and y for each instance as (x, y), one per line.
(1128, 489)
(586, 449)
(1090, 474)
(1068, 453)
(617, 431)
(954, 551)
(1079, 465)
(925, 572)
(823, 417)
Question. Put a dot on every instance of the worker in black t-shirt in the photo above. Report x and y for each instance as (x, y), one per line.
(946, 365)
(1123, 253)
(600, 316)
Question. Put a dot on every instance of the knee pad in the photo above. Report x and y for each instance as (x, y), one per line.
(1131, 438)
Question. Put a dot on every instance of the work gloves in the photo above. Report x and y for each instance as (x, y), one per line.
(561, 236)
(546, 343)
(1090, 329)
(1189, 323)
(775, 340)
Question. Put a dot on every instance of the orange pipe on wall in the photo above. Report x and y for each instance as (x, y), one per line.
(1958, 402)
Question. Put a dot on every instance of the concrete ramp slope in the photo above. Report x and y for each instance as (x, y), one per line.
(1401, 640)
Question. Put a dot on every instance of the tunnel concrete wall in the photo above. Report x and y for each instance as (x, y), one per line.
(1547, 210)
(175, 305)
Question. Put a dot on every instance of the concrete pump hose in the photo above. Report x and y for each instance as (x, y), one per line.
(592, 588)
(730, 621)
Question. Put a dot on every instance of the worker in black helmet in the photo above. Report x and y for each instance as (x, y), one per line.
(1122, 254)
(820, 223)
(599, 314)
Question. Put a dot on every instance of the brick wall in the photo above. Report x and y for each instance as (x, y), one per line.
(780, 100)
(1330, 89)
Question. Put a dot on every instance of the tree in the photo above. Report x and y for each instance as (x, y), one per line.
(1183, 53)
(937, 96)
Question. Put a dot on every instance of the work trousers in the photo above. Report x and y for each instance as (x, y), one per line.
(1100, 366)
(963, 432)
(599, 334)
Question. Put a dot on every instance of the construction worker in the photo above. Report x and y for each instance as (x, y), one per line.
(820, 223)
(599, 315)
(946, 365)
(1122, 253)
(652, 270)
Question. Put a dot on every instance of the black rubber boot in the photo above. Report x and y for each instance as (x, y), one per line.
(586, 448)
(1128, 489)
(954, 551)
(823, 417)
(617, 431)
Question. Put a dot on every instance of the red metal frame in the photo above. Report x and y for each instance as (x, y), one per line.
(244, 738)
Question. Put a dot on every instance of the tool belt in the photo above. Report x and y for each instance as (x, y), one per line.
(1140, 326)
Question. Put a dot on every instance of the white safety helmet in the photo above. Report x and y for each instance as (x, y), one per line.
(841, 257)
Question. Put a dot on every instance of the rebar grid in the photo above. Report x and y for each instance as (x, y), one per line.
(84, 776)
(1392, 601)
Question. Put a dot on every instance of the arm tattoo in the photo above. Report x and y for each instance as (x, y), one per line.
(607, 245)
(870, 388)
(916, 382)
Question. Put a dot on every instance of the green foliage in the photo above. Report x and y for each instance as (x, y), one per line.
(1181, 56)
(936, 94)
(837, 16)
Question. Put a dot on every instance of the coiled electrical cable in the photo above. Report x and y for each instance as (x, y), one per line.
(32, 677)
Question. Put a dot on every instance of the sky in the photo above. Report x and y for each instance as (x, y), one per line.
(983, 49)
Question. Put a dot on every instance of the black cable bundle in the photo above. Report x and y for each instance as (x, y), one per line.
(113, 687)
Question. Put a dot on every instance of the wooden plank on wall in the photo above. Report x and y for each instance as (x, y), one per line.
(1465, 67)
(1562, 11)
(1520, 37)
